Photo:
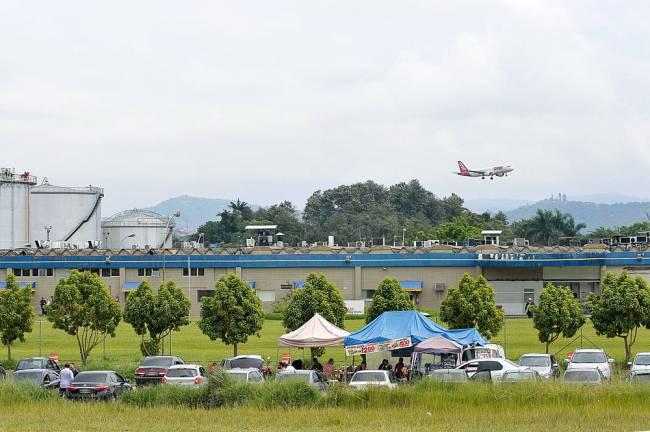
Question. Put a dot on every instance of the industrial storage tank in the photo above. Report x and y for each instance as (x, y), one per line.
(14, 208)
(137, 228)
(65, 216)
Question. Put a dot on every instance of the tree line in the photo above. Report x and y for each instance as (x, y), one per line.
(83, 307)
(406, 210)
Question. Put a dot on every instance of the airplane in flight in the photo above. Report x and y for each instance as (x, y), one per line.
(498, 171)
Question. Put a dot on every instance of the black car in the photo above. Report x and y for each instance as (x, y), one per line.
(103, 385)
(153, 369)
(37, 363)
(41, 377)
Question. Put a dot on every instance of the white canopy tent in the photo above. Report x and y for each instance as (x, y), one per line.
(317, 332)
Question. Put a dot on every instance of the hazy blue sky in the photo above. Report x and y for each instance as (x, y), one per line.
(270, 100)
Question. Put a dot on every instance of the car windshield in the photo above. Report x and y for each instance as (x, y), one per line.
(245, 363)
(181, 373)
(157, 361)
(35, 377)
(449, 377)
(292, 377)
(369, 377)
(642, 360)
(589, 357)
(582, 376)
(534, 361)
(518, 376)
(31, 364)
(90, 377)
(640, 378)
(239, 377)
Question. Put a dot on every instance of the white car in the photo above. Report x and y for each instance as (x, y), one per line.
(187, 375)
(496, 366)
(246, 376)
(591, 359)
(372, 378)
(641, 363)
(483, 352)
(544, 364)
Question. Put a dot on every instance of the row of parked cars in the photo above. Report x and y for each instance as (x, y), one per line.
(585, 366)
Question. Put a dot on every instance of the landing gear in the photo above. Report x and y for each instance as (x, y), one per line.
(491, 178)
(483, 177)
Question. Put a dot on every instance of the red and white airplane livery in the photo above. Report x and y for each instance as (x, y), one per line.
(498, 171)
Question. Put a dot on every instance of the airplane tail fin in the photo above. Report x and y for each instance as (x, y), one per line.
(463, 169)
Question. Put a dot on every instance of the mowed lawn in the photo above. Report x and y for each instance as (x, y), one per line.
(122, 352)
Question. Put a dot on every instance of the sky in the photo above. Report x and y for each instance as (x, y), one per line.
(268, 101)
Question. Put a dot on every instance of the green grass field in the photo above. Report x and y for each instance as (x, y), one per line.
(122, 352)
(475, 407)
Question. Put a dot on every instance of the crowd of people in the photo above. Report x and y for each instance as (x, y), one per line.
(401, 370)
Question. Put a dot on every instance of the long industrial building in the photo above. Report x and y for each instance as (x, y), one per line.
(516, 273)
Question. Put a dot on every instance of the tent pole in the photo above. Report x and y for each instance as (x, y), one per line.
(345, 366)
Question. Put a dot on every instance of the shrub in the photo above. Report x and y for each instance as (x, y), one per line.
(12, 392)
(164, 395)
(287, 395)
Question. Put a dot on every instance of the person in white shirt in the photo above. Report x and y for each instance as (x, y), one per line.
(290, 368)
(66, 376)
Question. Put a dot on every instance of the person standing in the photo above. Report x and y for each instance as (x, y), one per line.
(43, 302)
(529, 303)
(66, 376)
(73, 368)
(399, 368)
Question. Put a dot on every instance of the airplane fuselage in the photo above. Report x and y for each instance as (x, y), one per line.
(499, 171)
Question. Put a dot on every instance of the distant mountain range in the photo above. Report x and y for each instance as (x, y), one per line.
(594, 215)
(195, 211)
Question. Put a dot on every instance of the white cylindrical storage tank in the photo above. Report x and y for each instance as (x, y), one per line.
(71, 214)
(137, 229)
(14, 208)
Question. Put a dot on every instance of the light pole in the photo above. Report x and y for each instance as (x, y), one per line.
(176, 214)
(403, 236)
(126, 237)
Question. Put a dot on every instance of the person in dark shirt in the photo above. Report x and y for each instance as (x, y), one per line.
(399, 368)
(316, 365)
(384, 365)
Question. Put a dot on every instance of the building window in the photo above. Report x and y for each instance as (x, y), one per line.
(529, 293)
(108, 272)
(286, 286)
(194, 271)
(203, 293)
(115, 272)
(368, 294)
(147, 272)
(46, 272)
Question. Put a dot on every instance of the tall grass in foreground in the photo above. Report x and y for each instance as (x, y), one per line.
(12, 392)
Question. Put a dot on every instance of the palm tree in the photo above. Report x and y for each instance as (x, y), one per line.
(241, 208)
(547, 226)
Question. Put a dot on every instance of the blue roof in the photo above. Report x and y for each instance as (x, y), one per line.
(130, 285)
(251, 284)
(413, 324)
(411, 284)
(21, 284)
(299, 284)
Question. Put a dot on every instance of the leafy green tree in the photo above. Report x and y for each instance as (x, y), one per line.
(389, 296)
(83, 307)
(233, 314)
(16, 313)
(472, 304)
(156, 314)
(241, 209)
(623, 307)
(459, 229)
(171, 311)
(556, 313)
(318, 296)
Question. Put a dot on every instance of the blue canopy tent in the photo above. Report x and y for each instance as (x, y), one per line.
(403, 329)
